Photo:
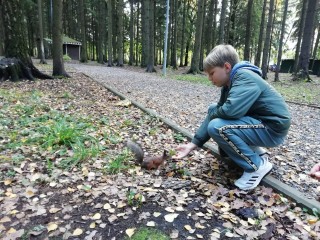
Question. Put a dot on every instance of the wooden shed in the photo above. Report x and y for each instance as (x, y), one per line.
(70, 46)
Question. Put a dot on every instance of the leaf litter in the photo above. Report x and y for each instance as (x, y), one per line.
(185, 199)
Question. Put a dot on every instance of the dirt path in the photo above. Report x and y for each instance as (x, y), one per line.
(186, 103)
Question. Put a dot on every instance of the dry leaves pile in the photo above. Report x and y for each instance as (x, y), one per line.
(190, 199)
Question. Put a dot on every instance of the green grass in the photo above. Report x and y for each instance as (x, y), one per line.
(120, 162)
(27, 123)
(148, 234)
(194, 78)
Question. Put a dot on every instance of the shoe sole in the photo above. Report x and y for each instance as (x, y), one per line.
(257, 182)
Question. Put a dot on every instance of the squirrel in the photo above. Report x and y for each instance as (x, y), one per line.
(153, 162)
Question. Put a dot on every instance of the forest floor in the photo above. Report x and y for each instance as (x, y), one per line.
(65, 172)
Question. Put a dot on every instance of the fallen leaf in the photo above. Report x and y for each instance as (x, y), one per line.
(92, 225)
(170, 217)
(151, 224)
(5, 219)
(188, 227)
(52, 226)
(156, 214)
(12, 230)
(106, 206)
(54, 210)
(169, 209)
(77, 232)
(97, 216)
(130, 232)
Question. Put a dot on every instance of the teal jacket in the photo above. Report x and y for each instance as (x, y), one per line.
(249, 95)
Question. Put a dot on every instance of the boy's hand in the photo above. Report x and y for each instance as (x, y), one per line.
(184, 150)
(315, 171)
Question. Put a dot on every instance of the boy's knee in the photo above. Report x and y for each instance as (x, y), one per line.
(214, 125)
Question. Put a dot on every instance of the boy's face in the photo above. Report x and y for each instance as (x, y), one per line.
(219, 76)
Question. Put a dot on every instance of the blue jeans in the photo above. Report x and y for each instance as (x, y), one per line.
(241, 138)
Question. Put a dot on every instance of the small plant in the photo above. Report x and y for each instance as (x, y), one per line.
(66, 58)
(127, 123)
(120, 162)
(150, 234)
(67, 95)
(178, 137)
(61, 133)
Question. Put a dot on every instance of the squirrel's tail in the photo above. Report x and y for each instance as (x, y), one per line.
(136, 150)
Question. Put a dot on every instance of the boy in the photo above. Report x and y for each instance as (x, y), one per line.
(249, 115)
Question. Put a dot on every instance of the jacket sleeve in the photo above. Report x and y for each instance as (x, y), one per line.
(242, 95)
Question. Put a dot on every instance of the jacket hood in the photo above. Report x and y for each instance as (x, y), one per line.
(244, 65)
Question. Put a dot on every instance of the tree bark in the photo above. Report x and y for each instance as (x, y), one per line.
(300, 33)
(1, 33)
(209, 27)
(101, 31)
(267, 41)
(110, 27)
(283, 26)
(246, 54)
(198, 39)
(303, 67)
(257, 60)
(15, 44)
(174, 35)
(137, 36)
(120, 33)
(131, 56)
(182, 44)
(222, 21)
(41, 48)
(144, 33)
(150, 14)
(82, 22)
(57, 43)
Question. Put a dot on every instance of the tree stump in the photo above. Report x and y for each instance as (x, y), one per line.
(14, 69)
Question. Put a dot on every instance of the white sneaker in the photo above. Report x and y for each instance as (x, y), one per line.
(249, 180)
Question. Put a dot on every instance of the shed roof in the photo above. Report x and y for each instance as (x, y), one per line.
(65, 40)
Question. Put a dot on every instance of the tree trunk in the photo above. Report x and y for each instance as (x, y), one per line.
(188, 43)
(267, 41)
(222, 21)
(214, 27)
(174, 35)
(209, 28)
(110, 27)
(15, 44)
(301, 25)
(198, 39)
(120, 33)
(303, 67)
(1, 33)
(182, 44)
(57, 43)
(82, 23)
(316, 45)
(232, 22)
(283, 27)
(246, 54)
(137, 36)
(131, 56)
(41, 49)
(150, 36)
(144, 33)
(257, 60)
(101, 31)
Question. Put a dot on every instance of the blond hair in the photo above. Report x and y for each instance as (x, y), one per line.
(219, 55)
